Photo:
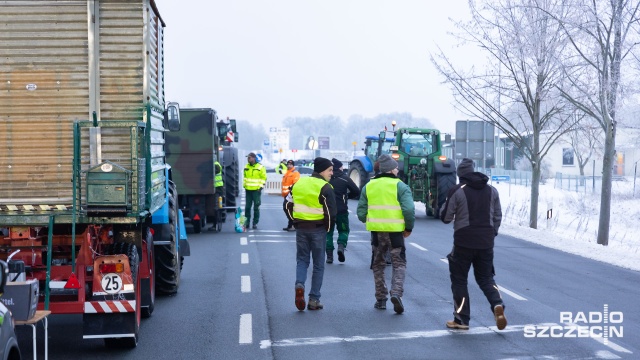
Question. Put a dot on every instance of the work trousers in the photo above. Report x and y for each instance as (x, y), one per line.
(460, 261)
(342, 224)
(380, 244)
(252, 198)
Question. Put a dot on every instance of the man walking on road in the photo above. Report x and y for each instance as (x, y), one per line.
(313, 211)
(474, 206)
(290, 177)
(255, 176)
(386, 206)
(345, 189)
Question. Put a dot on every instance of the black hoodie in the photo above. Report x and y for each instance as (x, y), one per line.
(475, 206)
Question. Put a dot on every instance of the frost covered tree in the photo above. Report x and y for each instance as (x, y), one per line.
(604, 37)
(517, 91)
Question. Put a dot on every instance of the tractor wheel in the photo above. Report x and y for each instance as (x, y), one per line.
(231, 175)
(445, 183)
(167, 259)
(134, 264)
(359, 176)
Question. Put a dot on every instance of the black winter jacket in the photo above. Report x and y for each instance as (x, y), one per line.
(475, 206)
(344, 188)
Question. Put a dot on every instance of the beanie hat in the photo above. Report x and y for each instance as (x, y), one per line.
(337, 164)
(290, 162)
(253, 155)
(387, 163)
(465, 167)
(321, 164)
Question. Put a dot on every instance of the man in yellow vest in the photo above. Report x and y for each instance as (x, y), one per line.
(255, 176)
(386, 206)
(218, 182)
(282, 167)
(312, 207)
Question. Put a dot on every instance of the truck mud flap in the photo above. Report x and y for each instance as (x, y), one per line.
(184, 247)
(109, 325)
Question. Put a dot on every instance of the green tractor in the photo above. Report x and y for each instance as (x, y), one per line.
(429, 174)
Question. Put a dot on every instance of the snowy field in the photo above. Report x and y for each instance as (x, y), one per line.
(573, 227)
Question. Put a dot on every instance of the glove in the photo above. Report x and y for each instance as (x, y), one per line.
(406, 233)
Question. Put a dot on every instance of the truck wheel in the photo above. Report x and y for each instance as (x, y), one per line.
(231, 175)
(445, 183)
(134, 264)
(167, 260)
(358, 175)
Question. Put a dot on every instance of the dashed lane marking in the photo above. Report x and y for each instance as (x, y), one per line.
(244, 258)
(418, 246)
(245, 284)
(243, 241)
(511, 293)
(246, 331)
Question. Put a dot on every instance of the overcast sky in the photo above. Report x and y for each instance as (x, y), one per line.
(264, 61)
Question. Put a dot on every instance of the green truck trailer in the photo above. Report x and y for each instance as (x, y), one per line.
(85, 192)
(202, 140)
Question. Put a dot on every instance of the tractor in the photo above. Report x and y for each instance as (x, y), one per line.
(422, 166)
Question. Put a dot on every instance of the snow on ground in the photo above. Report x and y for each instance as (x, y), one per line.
(573, 227)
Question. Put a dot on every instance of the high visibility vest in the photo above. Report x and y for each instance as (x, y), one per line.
(254, 176)
(217, 179)
(289, 178)
(305, 199)
(282, 168)
(384, 213)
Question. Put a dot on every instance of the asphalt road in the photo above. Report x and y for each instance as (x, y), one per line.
(236, 301)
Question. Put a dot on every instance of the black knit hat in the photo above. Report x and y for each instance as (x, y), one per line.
(465, 167)
(321, 164)
(337, 164)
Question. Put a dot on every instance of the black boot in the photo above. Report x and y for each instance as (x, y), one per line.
(329, 256)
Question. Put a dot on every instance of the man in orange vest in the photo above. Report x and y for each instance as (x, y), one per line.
(290, 177)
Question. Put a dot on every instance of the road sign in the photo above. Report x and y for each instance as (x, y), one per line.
(498, 178)
(294, 150)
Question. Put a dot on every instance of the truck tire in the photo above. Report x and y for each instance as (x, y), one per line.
(445, 182)
(134, 264)
(231, 175)
(359, 176)
(167, 259)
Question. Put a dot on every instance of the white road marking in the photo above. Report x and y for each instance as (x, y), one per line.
(243, 241)
(506, 291)
(511, 293)
(605, 354)
(323, 340)
(245, 284)
(244, 258)
(246, 332)
(282, 241)
(418, 246)
(612, 345)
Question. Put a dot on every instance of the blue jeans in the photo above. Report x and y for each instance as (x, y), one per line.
(311, 243)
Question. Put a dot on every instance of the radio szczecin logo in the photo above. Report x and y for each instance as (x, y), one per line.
(592, 324)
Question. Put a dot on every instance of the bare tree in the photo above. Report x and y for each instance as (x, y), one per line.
(585, 141)
(604, 35)
(518, 93)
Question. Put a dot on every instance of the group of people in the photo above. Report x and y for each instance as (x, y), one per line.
(317, 205)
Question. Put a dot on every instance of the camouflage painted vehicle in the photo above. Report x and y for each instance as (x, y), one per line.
(192, 152)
